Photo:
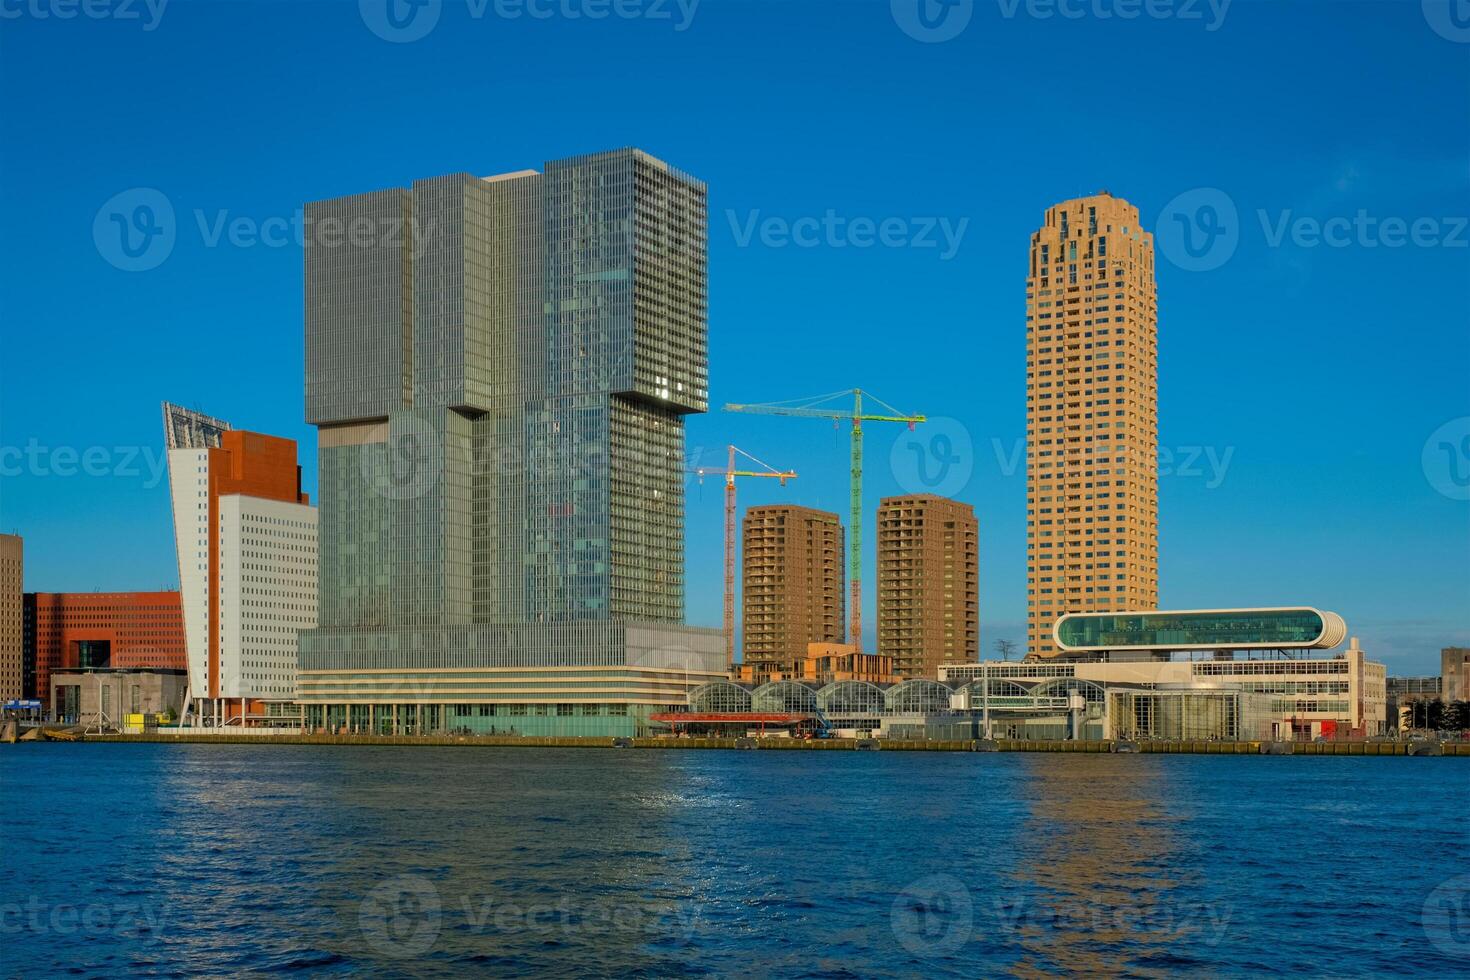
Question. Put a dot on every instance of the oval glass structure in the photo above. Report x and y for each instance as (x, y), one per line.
(1201, 629)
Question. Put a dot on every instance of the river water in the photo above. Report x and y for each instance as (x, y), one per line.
(227, 859)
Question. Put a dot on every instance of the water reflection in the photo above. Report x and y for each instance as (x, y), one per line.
(1102, 869)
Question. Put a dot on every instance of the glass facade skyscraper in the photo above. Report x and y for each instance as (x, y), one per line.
(499, 369)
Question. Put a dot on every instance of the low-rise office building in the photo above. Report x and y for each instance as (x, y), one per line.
(1270, 671)
(823, 662)
(107, 696)
(100, 630)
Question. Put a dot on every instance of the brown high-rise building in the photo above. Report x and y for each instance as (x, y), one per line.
(12, 575)
(928, 583)
(792, 585)
(1092, 502)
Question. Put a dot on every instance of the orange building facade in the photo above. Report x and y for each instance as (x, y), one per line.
(824, 663)
(246, 542)
(101, 629)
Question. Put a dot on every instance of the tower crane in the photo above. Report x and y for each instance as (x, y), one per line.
(815, 408)
(730, 473)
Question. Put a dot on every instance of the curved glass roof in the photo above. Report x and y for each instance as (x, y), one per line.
(1201, 629)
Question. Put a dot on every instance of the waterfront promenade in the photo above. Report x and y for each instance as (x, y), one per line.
(1187, 747)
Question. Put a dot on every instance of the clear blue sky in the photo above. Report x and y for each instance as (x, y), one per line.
(1315, 373)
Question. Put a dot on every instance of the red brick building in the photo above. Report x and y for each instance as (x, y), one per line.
(100, 629)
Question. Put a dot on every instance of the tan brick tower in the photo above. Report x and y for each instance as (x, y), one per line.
(793, 584)
(928, 583)
(1092, 502)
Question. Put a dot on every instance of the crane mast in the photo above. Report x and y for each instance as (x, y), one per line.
(812, 408)
(730, 473)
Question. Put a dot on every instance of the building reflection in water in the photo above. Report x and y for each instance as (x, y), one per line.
(1103, 868)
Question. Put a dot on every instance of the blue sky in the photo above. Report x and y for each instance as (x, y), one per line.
(1302, 379)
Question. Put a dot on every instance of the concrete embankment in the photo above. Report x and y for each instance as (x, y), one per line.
(833, 744)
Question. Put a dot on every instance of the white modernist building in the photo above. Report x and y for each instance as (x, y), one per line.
(1239, 673)
(246, 539)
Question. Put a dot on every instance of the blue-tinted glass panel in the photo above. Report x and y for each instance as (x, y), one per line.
(1288, 627)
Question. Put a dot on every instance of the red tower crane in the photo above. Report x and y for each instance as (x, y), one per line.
(730, 473)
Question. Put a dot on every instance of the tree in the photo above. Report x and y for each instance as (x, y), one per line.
(1005, 648)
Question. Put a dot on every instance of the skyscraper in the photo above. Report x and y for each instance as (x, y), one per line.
(792, 585)
(499, 370)
(928, 583)
(12, 584)
(246, 540)
(1092, 530)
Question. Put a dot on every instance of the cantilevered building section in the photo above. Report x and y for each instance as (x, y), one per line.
(928, 583)
(792, 588)
(1092, 528)
(499, 382)
(246, 538)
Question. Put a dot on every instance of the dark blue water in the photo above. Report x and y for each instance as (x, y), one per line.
(417, 861)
